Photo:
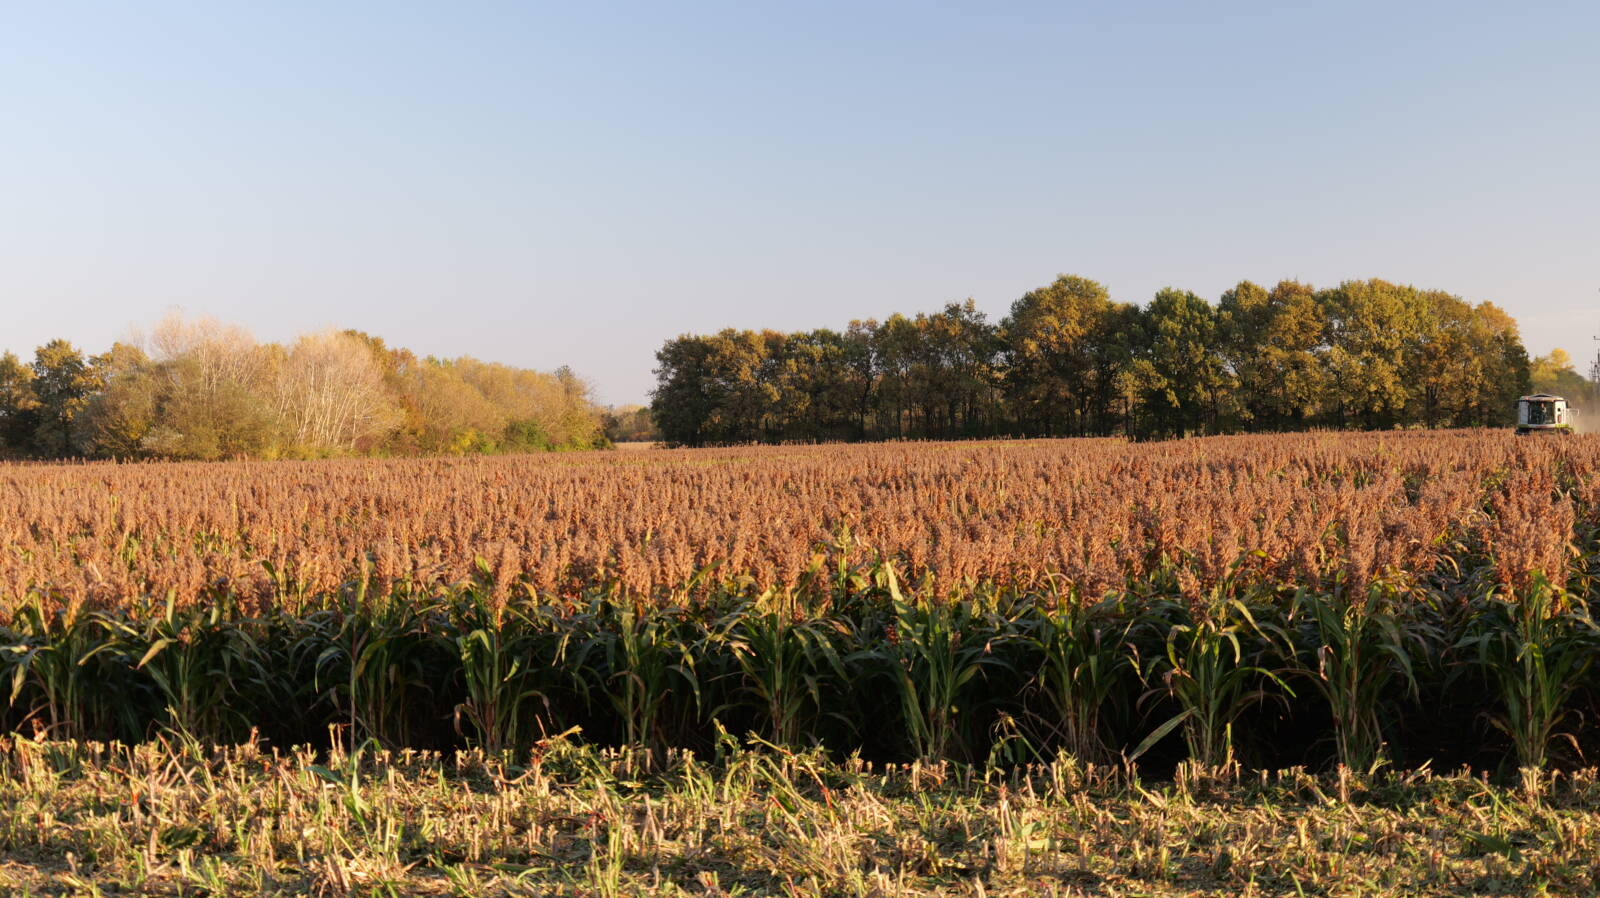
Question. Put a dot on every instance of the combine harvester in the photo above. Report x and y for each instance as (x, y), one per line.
(1548, 413)
(1544, 413)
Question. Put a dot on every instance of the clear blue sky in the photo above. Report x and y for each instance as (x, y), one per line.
(574, 183)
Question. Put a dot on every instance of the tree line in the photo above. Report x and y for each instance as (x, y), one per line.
(200, 389)
(1068, 360)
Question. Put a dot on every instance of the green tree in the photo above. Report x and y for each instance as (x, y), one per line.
(1183, 378)
(682, 403)
(861, 364)
(1271, 343)
(19, 406)
(816, 387)
(122, 413)
(226, 419)
(717, 389)
(1447, 361)
(63, 382)
(895, 350)
(961, 383)
(937, 373)
(629, 424)
(1370, 324)
(1062, 358)
(575, 420)
(1498, 339)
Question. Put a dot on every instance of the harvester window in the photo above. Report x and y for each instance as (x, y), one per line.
(1541, 413)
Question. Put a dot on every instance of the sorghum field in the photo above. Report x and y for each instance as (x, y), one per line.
(1298, 664)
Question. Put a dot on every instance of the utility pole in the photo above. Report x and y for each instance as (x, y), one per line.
(1594, 366)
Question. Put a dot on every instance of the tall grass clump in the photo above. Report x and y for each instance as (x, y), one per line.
(934, 651)
(1537, 647)
(68, 672)
(207, 667)
(642, 662)
(1213, 668)
(373, 660)
(787, 664)
(511, 661)
(1088, 663)
(1356, 648)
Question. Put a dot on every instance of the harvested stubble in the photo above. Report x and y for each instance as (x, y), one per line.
(567, 820)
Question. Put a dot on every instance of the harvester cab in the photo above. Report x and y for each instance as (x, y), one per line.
(1543, 413)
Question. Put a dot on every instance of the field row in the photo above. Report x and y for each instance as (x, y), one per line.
(1386, 598)
(1271, 678)
(667, 527)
